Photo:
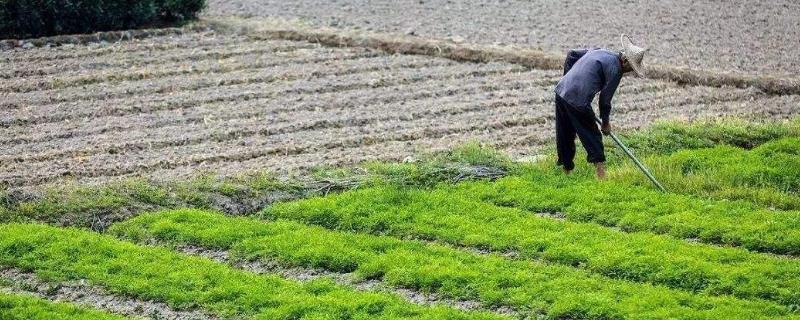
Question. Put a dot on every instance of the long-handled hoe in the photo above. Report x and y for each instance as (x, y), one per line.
(635, 160)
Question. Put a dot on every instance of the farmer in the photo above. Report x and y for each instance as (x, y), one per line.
(587, 72)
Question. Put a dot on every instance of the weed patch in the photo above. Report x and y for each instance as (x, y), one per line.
(97, 207)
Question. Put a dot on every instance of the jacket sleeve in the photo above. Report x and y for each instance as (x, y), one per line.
(613, 75)
(573, 56)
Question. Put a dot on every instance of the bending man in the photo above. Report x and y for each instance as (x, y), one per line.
(587, 72)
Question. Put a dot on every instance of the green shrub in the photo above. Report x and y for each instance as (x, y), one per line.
(33, 18)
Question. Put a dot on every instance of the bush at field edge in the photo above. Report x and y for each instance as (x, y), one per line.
(21, 19)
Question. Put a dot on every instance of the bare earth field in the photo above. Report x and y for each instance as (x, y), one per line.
(169, 107)
(746, 36)
(470, 235)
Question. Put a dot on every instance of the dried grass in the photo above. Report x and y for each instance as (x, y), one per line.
(770, 85)
(108, 36)
(390, 43)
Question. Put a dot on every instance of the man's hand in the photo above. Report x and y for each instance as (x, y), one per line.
(606, 127)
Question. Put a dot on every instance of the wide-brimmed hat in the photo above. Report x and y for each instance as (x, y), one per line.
(633, 53)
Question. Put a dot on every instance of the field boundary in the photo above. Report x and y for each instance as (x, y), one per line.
(109, 36)
(394, 43)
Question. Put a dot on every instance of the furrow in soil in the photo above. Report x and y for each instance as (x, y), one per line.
(89, 65)
(284, 68)
(276, 145)
(369, 76)
(278, 121)
(51, 84)
(221, 112)
(263, 87)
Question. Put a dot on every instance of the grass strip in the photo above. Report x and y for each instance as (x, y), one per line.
(456, 215)
(183, 282)
(638, 208)
(768, 175)
(560, 292)
(672, 136)
(27, 307)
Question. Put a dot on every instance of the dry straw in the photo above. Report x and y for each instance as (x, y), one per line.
(108, 36)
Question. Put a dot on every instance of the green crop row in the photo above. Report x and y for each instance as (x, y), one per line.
(668, 137)
(560, 292)
(643, 208)
(57, 254)
(768, 175)
(456, 215)
(26, 307)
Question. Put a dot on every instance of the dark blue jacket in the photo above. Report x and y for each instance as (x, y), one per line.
(587, 72)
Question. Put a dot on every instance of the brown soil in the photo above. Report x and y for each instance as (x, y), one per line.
(164, 108)
(738, 35)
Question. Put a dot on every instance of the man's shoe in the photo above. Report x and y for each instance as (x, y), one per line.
(600, 170)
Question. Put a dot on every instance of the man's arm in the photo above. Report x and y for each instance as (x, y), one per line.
(613, 76)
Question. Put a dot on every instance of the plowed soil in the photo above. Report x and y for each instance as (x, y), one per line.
(737, 35)
(171, 107)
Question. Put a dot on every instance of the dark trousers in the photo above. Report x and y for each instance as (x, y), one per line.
(580, 121)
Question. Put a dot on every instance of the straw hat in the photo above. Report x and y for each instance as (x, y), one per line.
(633, 54)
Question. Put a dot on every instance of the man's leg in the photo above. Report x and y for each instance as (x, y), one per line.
(565, 137)
(583, 120)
